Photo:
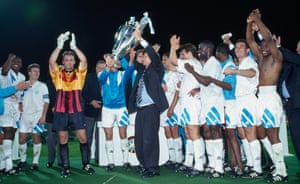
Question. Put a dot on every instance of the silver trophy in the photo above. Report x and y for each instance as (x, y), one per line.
(123, 39)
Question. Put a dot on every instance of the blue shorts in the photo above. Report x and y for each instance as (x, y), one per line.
(66, 121)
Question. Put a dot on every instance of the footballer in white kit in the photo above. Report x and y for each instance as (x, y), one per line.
(33, 100)
(33, 106)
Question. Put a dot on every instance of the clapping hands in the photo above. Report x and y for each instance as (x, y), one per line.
(64, 37)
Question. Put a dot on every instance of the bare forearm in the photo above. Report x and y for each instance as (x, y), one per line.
(53, 58)
(82, 58)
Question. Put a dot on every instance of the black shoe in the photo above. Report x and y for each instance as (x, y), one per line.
(194, 172)
(2, 171)
(110, 167)
(65, 172)
(169, 164)
(11, 172)
(248, 169)
(140, 169)
(21, 166)
(277, 178)
(236, 172)
(150, 174)
(60, 165)
(34, 167)
(176, 166)
(49, 165)
(252, 174)
(127, 166)
(227, 167)
(183, 169)
(88, 169)
(215, 174)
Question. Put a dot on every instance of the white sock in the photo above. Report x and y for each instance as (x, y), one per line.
(171, 149)
(124, 148)
(202, 149)
(278, 159)
(210, 152)
(36, 153)
(198, 155)
(268, 147)
(109, 151)
(2, 162)
(256, 155)
(218, 154)
(178, 149)
(246, 146)
(7, 148)
(23, 152)
(189, 153)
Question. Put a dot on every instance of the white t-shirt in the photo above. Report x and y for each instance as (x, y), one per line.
(189, 82)
(171, 79)
(11, 79)
(33, 98)
(213, 69)
(246, 85)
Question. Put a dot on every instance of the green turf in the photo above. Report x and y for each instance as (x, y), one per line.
(121, 176)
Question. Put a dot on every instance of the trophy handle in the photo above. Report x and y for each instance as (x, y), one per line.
(149, 23)
(144, 21)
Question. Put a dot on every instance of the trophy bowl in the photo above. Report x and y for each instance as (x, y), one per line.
(123, 38)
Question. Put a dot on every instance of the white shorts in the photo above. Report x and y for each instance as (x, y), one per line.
(110, 116)
(29, 122)
(231, 116)
(132, 118)
(190, 108)
(170, 121)
(10, 116)
(247, 110)
(212, 111)
(270, 110)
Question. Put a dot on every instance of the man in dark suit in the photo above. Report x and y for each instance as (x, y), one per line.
(52, 137)
(289, 89)
(149, 100)
(92, 107)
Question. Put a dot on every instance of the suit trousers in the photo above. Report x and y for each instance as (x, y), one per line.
(146, 140)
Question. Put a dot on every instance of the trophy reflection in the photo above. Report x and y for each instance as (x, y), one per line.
(123, 39)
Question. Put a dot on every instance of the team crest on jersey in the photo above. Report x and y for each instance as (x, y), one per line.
(131, 146)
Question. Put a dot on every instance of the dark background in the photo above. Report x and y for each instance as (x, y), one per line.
(29, 28)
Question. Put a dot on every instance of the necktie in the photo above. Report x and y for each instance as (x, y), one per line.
(140, 90)
(285, 92)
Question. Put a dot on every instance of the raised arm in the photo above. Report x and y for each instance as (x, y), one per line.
(79, 53)
(60, 44)
(175, 43)
(250, 33)
(7, 65)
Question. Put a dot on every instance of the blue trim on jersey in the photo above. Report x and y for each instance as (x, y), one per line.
(185, 118)
(268, 120)
(231, 79)
(46, 96)
(113, 89)
(5, 92)
(172, 121)
(213, 117)
(247, 118)
(124, 120)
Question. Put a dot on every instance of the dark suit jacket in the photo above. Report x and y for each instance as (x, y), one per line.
(91, 91)
(52, 98)
(153, 78)
(291, 74)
